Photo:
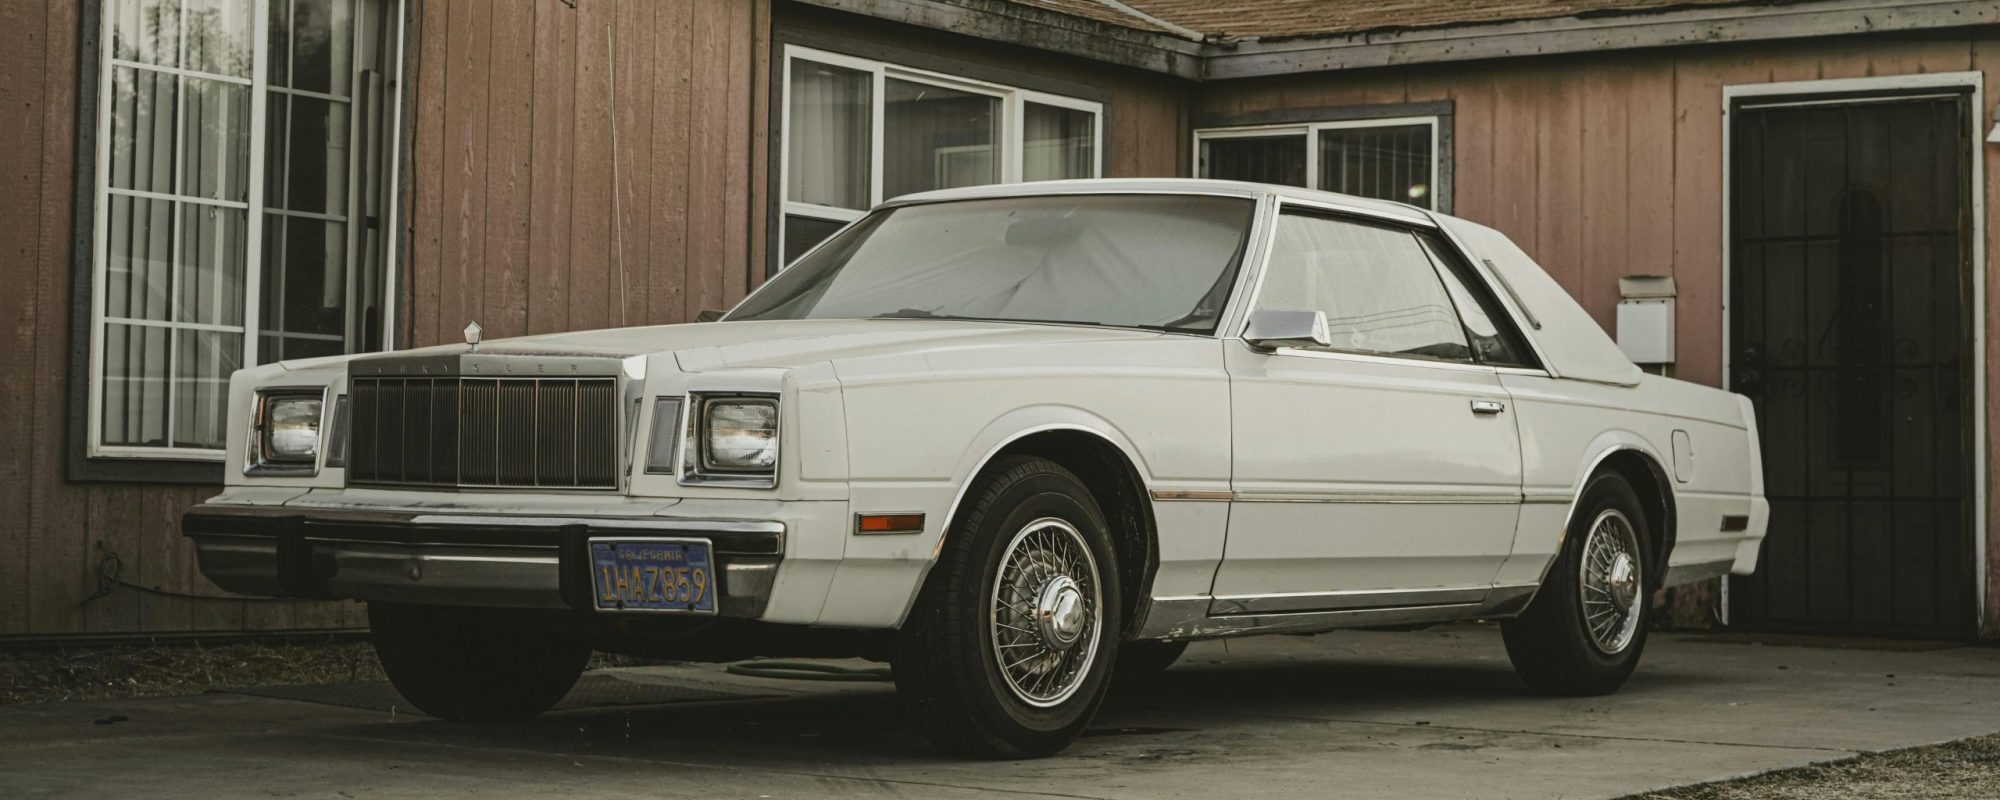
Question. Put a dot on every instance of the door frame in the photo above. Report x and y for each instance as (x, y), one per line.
(1841, 90)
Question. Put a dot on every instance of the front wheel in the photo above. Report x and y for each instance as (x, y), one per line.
(451, 665)
(1008, 651)
(1584, 631)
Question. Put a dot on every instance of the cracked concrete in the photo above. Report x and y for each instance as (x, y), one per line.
(1434, 714)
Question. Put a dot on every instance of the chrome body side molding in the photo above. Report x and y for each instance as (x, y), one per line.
(1179, 618)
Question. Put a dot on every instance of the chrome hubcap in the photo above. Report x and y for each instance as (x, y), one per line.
(1610, 582)
(1046, 612)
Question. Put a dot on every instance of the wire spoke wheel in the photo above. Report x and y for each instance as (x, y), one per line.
(1047, 607)
(1608, 582)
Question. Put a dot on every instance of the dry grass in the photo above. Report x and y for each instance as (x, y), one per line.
(1968, 769)
(118, 671)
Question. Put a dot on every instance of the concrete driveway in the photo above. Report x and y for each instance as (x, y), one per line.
(1434, 714)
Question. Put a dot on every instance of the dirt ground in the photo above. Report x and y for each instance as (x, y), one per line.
(54, 674)
(1968, 769)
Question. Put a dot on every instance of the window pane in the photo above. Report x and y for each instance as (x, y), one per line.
(1375, 284)
(315, 156)
(135, 385)
(202, 363)
(1387, 163)
(1057, 143)
(218, 36)
(138, 257)
(827, 155)
(937, 138)
(323, 45)
(147, 32)
(216, 140)
(1277, 159)
(801, 233)
(142, 130)
(209, 274)
(305, 279)
(1493, 337)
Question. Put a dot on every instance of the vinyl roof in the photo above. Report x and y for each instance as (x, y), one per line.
(1287, 19)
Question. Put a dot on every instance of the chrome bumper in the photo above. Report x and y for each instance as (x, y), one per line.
(452, 559)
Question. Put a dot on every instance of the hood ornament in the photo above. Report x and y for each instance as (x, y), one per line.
(472, 335)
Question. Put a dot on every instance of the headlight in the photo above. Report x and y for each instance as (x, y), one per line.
(731, 440)
(287, 430)
(742, 436)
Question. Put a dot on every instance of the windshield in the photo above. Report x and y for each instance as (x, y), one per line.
(1164, 262)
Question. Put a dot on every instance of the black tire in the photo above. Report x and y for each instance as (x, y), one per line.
(1145, 660)
(1550, 644)
(945, 666)
(453, 664)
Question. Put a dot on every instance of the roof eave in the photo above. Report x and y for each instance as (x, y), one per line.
(1224, 60)
(1689, 26)
(1038, 28)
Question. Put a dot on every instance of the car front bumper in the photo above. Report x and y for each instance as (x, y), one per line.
(457, 559)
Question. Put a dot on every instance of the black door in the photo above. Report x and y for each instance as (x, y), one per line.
(1850, 251)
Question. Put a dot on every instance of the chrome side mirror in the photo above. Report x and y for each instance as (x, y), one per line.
(1272, 328)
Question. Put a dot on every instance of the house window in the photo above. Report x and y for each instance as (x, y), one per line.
(240, 204)
(857, 132)
(1386, 159)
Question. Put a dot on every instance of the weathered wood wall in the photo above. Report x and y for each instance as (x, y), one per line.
(583, 166)
(1608, 165)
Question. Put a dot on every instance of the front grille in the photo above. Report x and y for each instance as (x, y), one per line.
(483, 432)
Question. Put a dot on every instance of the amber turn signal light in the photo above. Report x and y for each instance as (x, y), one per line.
(889, 523)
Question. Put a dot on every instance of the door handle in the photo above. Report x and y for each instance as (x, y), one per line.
(1488, 407)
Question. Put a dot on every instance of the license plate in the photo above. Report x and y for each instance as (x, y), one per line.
(653, 575)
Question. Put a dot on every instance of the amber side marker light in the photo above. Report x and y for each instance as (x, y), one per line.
(888, 523)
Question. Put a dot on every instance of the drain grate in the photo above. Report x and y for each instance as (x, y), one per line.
(591, 691)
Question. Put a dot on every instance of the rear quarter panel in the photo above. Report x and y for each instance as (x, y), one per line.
(1568, 427)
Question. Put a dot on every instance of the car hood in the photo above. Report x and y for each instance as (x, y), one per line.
(701, 347)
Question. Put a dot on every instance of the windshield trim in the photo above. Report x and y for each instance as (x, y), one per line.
(1247, 260)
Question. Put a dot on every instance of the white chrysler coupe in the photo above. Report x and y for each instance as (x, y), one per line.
(1014, 440)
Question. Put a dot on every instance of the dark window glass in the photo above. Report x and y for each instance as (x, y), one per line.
(1262, 159)
(1385, 163)
(1494, 339)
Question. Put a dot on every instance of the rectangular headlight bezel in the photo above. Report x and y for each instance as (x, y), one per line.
(262, 458)
(698, 466)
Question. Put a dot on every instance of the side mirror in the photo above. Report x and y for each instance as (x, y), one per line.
(1272, 328)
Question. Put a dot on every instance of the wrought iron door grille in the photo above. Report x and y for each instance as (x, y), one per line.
(484, 432)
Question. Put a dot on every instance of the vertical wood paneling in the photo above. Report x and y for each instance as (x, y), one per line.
(635, 93)
(707, 174)
(1603, 202)
(736, 188)
(590, 251)
(24, 51)
(469, 39)
(666, 295)
(509, 128)
(1986, 58)
(426, 205)
(553, 113)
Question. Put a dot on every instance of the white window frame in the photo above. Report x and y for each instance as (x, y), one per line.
(254, 207)
(1310, 131)
(1013, 102)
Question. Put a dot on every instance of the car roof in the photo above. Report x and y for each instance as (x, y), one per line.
(1160, 186)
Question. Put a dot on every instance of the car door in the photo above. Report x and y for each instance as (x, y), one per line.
(1383, 470)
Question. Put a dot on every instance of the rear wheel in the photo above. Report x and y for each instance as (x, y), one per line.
(1008, 651)
(1584, 631)
(450, 665)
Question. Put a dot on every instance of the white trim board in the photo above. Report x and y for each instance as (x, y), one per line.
(1898, 85)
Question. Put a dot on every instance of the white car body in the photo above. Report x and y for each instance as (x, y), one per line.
(1285, 490)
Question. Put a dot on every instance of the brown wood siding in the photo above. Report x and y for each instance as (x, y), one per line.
(1608, 165)
(582, 167)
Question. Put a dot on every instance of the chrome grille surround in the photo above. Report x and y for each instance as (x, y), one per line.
(485, 422)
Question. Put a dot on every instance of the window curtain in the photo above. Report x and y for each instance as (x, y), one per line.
(828, 151)
(1057, 143)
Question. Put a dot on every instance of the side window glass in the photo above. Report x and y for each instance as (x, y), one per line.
(1493, 338)
(1376, 285)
